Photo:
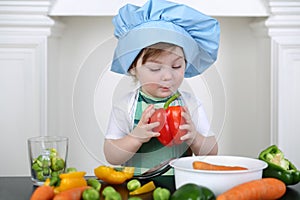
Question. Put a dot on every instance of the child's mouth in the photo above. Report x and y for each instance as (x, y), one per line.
(165, 88)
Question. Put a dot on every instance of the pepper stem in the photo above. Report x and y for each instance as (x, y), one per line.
(175, 96)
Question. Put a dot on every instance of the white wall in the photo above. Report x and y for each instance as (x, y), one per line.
(242, 65)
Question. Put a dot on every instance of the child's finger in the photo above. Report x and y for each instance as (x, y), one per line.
(155, 134)
(185, 109)
(147, 113)
(152, 125)
(186, 116)
(185, 127)
(185, 137)
(189, 137)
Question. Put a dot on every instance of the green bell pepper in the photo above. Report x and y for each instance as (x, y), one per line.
(193, 191)
(278, 166)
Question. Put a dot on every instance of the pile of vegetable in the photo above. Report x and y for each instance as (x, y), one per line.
(72, 184)
(47, 165)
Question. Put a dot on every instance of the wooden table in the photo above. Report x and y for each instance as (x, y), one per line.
(21, 188)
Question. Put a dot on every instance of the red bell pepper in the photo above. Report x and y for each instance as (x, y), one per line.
(170, 119)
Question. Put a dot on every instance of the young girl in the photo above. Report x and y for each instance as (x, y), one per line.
(159, 44)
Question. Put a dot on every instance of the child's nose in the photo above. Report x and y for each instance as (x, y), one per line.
(167, 74)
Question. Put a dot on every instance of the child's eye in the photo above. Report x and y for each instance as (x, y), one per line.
(154, 69)
(177, 67)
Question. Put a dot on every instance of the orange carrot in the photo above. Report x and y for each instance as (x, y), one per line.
(43, 192)
(207, 166)
(71, 194)
(265, 188)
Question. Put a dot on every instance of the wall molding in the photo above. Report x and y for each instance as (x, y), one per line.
(25, 26)
(284, 31)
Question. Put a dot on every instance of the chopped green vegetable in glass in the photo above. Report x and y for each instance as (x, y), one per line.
(57, 164)
(40, 176)
(36, 167)
(71, 169)
(53, 153)
(46, 171)
(48, 164)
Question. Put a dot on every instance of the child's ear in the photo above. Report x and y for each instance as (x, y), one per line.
(132, 71)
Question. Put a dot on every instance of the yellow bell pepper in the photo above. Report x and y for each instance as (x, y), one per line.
(112, 176)
(148, 187)
(71, 180)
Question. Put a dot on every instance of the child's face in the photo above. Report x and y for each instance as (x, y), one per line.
(161, 76)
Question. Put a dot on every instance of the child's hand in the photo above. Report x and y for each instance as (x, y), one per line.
(189, 126)
(143, 131)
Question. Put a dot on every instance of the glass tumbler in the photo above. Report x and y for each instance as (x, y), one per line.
(47, 156)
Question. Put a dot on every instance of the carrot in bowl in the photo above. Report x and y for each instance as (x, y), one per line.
(265, 188)
(43, 192)
(200, 165)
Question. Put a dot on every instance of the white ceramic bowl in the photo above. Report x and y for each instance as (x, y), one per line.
(217, 181)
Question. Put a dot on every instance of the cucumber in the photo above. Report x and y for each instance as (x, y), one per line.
(191, 191)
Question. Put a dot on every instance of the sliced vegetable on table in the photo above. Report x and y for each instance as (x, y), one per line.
(265, 188)
(113, 176)
(170, 119)
(278, 166)
(91, 194)
(107, 190)
(133, 184)
(135, 198)
(193, 191)
(110, 193)
(148, 187)
(161, 194)
(200, 165)
(94, 183)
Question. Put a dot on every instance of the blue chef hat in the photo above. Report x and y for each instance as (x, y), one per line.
(164, 21)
